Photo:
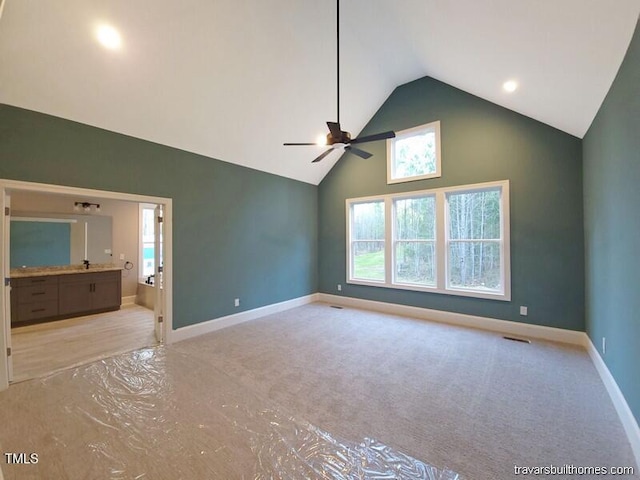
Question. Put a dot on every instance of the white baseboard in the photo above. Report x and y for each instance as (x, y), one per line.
(627, 418)
(130, 300)
(230, 320)
(482, 323)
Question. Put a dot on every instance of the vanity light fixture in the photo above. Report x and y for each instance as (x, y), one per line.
(86, 206)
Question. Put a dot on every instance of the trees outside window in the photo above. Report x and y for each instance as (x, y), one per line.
(367, 243)
(414, 154)
(474, 240)
(415, 239)
(452, 240)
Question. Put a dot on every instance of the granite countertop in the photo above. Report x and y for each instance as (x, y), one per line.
(63, 270)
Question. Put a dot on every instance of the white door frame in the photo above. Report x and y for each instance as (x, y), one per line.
(7, 186)
(158, 283)
(6, 292)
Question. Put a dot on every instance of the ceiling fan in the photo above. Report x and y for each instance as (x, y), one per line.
(337, 137)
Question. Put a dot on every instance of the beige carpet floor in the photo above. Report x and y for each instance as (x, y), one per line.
(318, 392)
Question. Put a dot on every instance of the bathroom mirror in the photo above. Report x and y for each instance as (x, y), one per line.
(42, 240)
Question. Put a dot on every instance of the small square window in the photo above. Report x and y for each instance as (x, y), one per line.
(414, 154)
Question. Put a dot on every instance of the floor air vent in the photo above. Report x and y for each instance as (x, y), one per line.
(513, 339)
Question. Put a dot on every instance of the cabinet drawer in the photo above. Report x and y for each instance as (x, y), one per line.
(28, 281)
(35, 310)
(37, 293)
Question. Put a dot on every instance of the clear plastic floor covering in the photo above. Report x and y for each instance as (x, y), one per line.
(159, 414)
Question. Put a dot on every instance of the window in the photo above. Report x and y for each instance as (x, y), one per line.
(147, 241)
(415, 240)
(474, 240)
(452, 240)
(367, 243)
(414, 154)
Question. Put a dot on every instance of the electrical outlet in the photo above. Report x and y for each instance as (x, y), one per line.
(122, 256)
(237, 302)
(524, 311)
(604, 345)
(339, 287)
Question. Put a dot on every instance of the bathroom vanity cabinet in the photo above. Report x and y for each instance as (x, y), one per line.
(54, 297)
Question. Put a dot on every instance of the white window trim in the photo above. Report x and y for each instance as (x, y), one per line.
(442, 224)
(408, 133)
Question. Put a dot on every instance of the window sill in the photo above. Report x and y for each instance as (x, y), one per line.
(500, 296)
(391, 181)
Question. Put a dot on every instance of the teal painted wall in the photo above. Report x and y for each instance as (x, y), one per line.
(612, 226)
(480, 142)
(237, 232)
(35, 244)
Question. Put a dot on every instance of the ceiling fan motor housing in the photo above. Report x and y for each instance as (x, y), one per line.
(345, 137)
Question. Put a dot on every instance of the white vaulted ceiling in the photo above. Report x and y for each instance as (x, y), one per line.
(234, 79)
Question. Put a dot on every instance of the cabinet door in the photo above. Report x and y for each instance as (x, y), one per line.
(106, 290)
(74, 297)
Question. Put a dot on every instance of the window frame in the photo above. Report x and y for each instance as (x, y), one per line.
(410, 132)
(351, 242)
(396, 241)
(441, 241)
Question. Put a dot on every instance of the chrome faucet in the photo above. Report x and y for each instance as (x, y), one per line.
(86, 264)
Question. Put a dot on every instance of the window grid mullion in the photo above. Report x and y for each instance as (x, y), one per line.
(415, 240)
(475, 240)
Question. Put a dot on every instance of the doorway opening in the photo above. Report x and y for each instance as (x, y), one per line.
(101, 249)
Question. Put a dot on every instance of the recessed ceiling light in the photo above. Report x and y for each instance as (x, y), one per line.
(510, 86)
(109, 37)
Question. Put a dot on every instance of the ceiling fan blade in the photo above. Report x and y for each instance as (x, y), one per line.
(298, 144)
(334, 128)
(374, 137)
(357, 151)
(322, 155)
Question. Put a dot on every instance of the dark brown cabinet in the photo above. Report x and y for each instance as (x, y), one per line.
(75, 294)
(107, 291)
(85, 292)
(34, 298)
(60, 296)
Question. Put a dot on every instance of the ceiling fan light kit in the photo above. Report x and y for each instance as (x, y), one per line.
(337, 138)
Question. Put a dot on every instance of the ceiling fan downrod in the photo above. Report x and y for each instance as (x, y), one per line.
(338, 59)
